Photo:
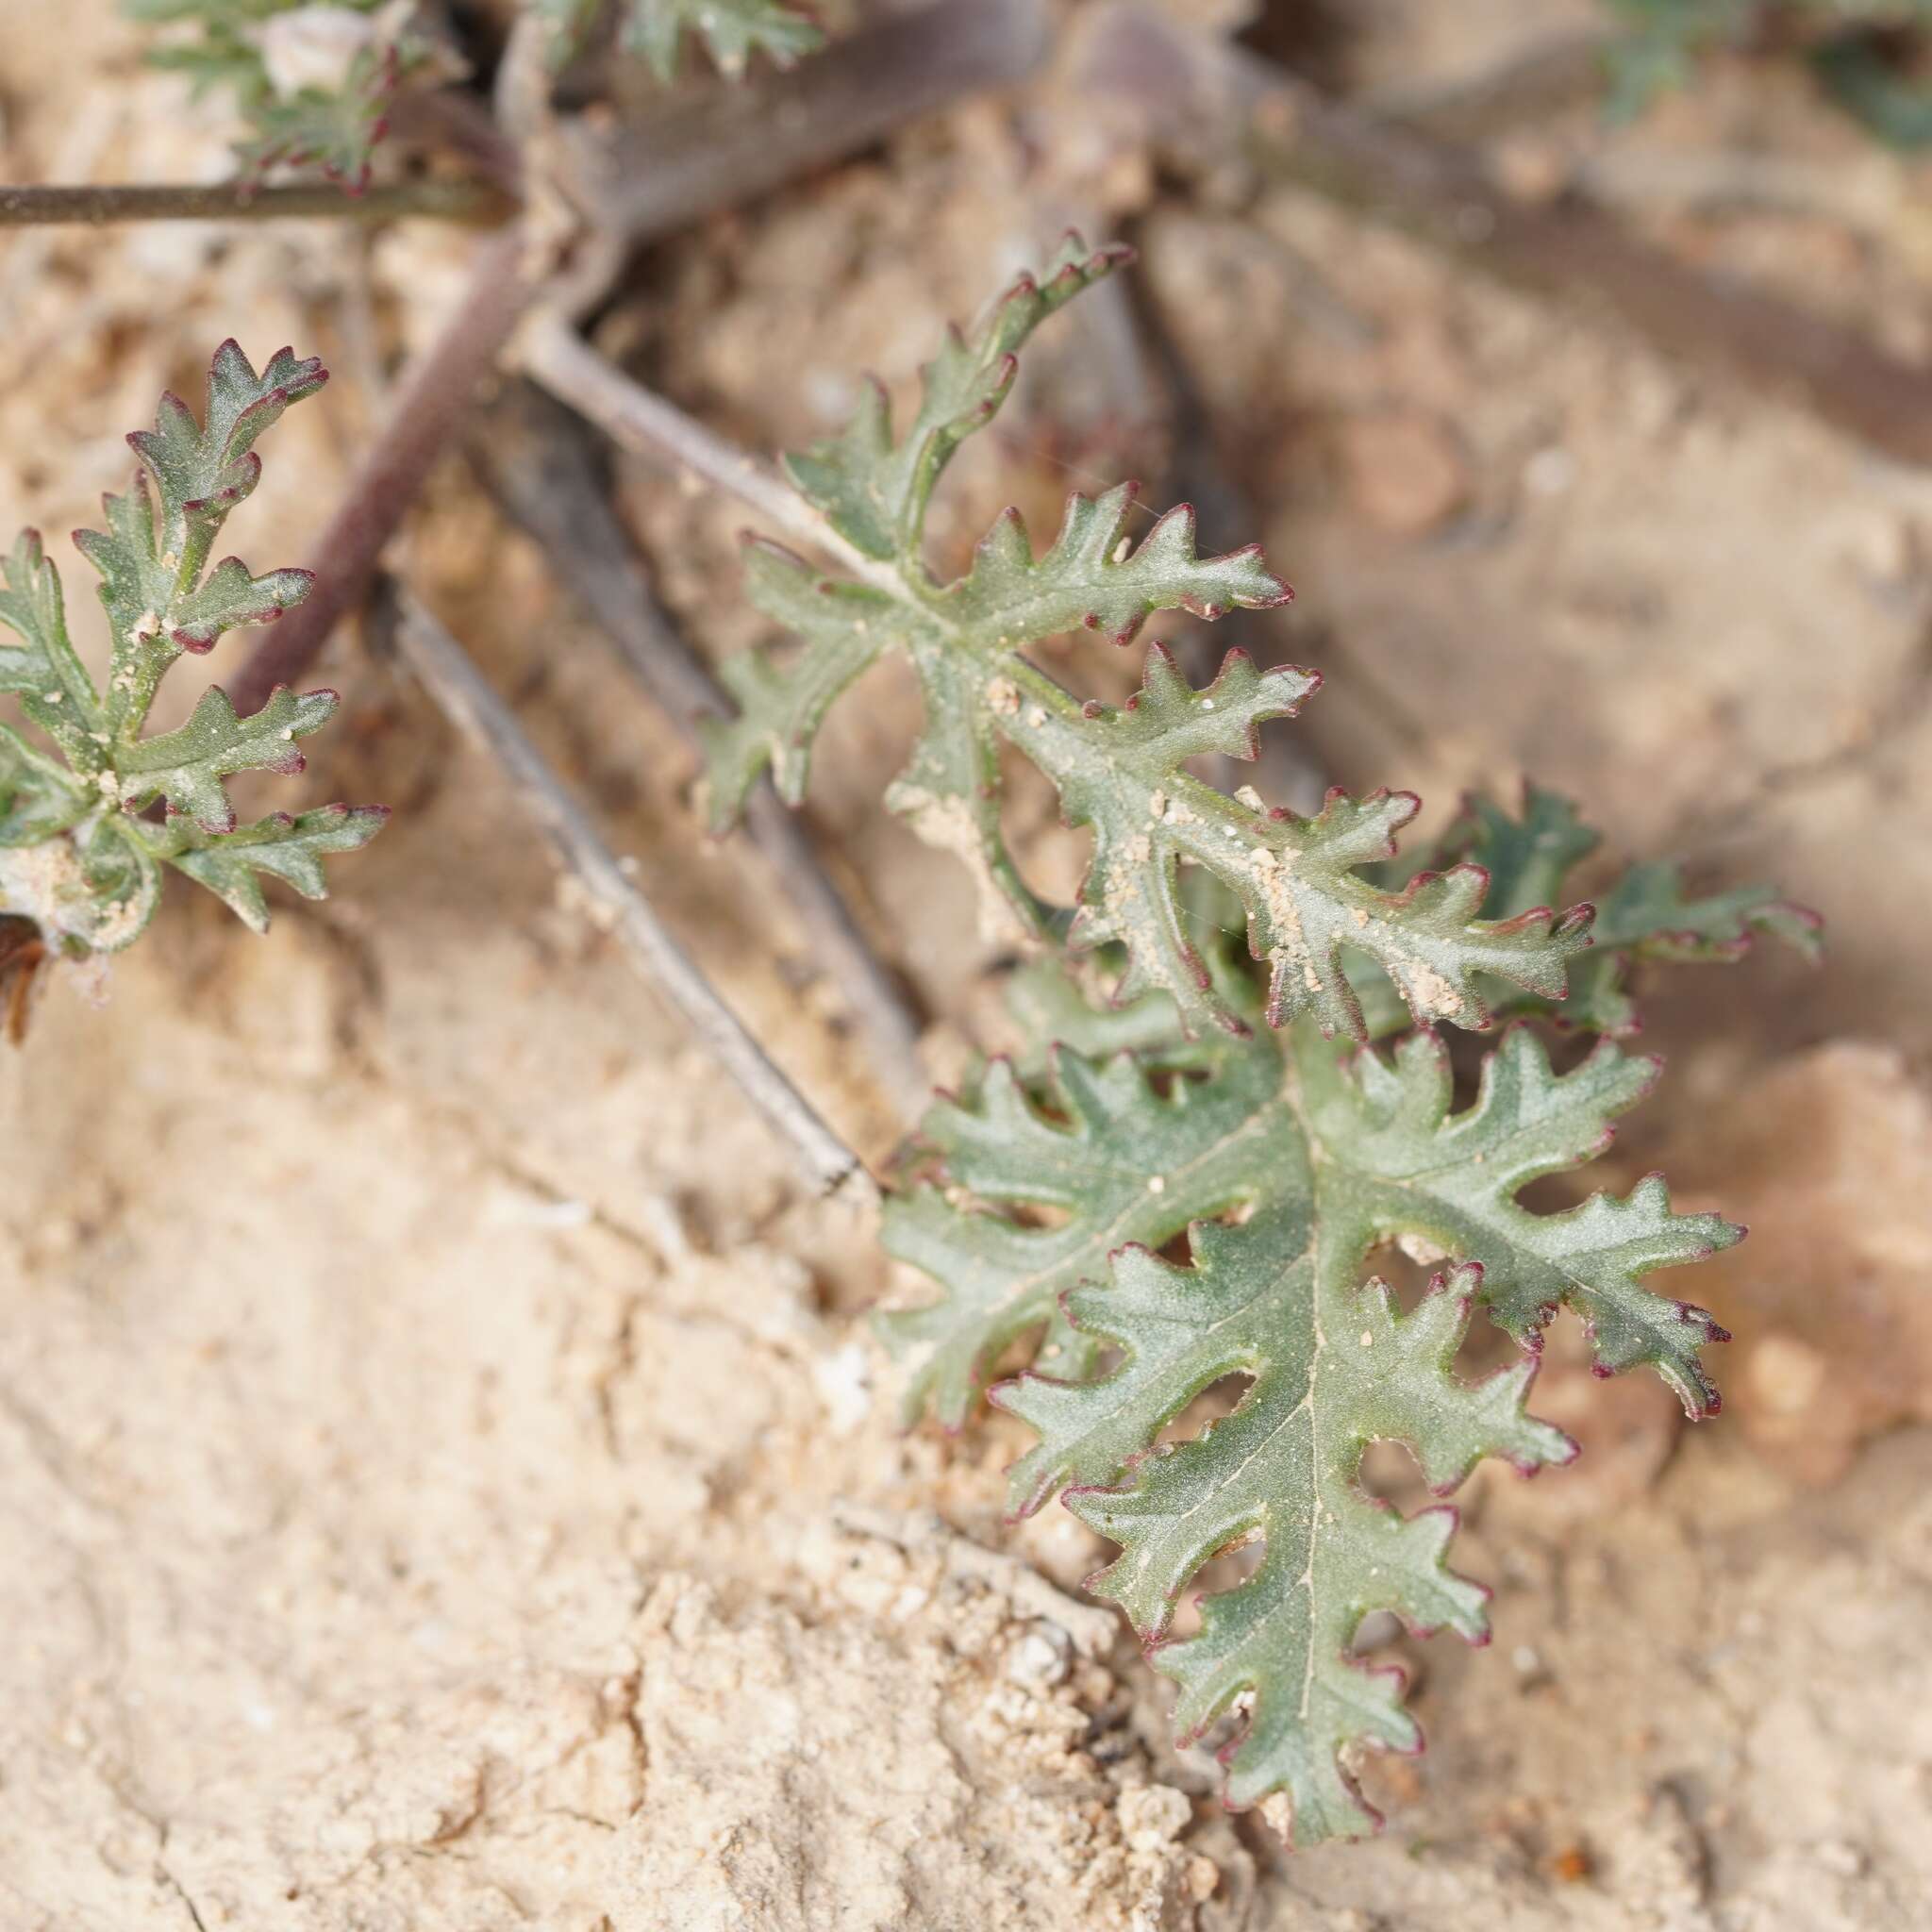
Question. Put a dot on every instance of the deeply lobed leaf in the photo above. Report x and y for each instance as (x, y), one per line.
(314, 83)
(732, 30)
(43, 668)
(1121, 770)
(873, 489)
(1316, 1158)
(79, 857)
(1285, 1163)
(1211, 1144)
(844, 627)
(36, 798)
(187, 767)
(1335, 1367)
(154, 552)
(1646, 914)
(289, 847)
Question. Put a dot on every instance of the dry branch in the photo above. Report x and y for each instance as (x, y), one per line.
(464, 695)
(429, 408)
(727, 144)
(95, 206)
(537, 461)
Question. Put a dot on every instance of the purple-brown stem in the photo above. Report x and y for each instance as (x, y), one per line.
(434, 398)
(95, 205)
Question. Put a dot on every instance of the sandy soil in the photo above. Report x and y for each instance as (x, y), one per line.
(444, 1479)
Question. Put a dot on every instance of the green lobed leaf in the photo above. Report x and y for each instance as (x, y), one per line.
(155, 547)
(1097, 577)
(77, 857)
(1050, 1008)
(332, 131)
(1121, 770)
(1529, 859)
(187, 767)
(1645, 915)
(289, 847)
(1309, 905)
(733, 31)
(950, 791)
(330, 124)
(55, 689)
(1209, 1144)
(1334, 1367)
(844, 627)
(36, 798)
(1316, 1158)
(1414, 1168)
(873, 490)
(203, 470)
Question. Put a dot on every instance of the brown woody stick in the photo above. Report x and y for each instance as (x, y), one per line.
(233, 201)
(429, 408)
(697, 156)
(456, 684)
(541, 464)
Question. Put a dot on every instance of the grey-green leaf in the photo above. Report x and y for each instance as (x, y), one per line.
(874, 489)
(733, 31)
(1126, 1166)
(1286, 1170)
(844, 627)
(187, 766)
(1644, 916)
(36, 798)
(289, 847)
(1334, 1367)
(1299, 880)
(1414, 1167)
(1097, 577)
(55, 689)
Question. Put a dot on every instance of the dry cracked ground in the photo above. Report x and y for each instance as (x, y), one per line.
(445, 1479)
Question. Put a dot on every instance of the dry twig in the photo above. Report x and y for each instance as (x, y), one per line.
(537, 460)
(95, 206)
(456, 684)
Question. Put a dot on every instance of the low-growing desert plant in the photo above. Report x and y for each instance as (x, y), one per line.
(1279, 1111)
(315, 82)
(85, 837)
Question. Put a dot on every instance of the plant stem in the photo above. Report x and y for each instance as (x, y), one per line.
(556, 355)
(686, 167)
(541, 462)
(95, 206)
(466, 698)
(432, 401)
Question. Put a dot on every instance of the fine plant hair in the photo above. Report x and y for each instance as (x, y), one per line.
(86, 834)
(1184, 1173)
(316, 84)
